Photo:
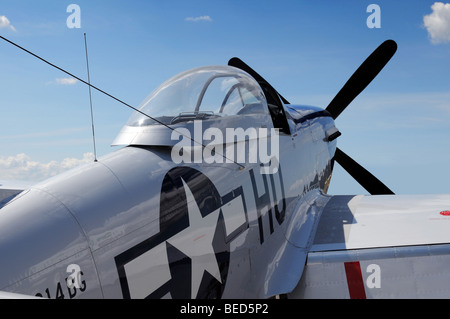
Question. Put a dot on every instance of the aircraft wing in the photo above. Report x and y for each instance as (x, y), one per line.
(392, 246)
(8, 190)
(11, 295)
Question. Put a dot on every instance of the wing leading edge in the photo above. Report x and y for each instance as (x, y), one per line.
(9, 190)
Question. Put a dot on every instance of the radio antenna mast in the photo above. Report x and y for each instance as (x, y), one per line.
(90, 97)
(111, 96)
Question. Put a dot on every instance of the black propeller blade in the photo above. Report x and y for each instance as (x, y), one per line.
(372, 184)
(362, 77)
(367, 71)
(238, 63)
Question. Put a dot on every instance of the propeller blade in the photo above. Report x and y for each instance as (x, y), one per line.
(366, 72)
(238, 63)
(371, 184)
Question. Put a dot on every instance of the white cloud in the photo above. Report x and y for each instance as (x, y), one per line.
(198, 19)
(22, 167)
(66, 81)
(438, 23)
(4, 23)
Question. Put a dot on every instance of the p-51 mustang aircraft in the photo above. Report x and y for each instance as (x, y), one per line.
(177, 212)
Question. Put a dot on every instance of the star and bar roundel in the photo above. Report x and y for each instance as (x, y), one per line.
(189, 257)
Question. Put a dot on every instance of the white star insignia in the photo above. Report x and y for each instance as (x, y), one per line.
(196, 242)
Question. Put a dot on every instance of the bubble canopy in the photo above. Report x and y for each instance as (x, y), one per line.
(215, 95)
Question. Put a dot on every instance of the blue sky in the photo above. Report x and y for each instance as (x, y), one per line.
(398, 128)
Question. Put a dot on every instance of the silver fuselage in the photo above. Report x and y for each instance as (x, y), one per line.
(121, 220)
